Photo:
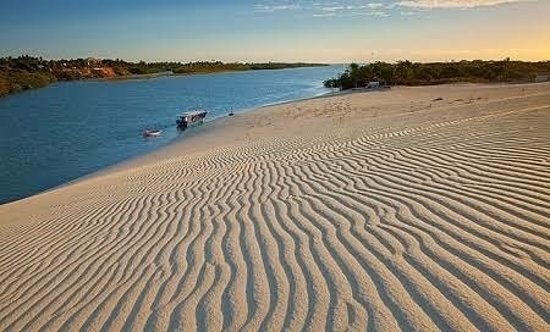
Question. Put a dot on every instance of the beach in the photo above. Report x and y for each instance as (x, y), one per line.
(414, 208)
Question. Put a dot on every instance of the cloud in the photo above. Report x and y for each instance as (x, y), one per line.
(333, 9)
(272, 8)
(429, 4)
(326, 8)
(372, 8)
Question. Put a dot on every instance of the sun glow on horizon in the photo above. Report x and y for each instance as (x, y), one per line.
(332, 31)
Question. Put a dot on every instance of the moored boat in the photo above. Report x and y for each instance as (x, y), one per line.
(152, 133)
(191, 118)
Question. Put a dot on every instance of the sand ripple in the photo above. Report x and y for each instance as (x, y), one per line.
(442, 226)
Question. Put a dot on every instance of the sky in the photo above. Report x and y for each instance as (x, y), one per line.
(334, 31)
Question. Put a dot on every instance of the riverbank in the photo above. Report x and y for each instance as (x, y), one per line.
(27, 73)
(415, 208)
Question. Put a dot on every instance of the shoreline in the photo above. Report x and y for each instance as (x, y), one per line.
(191, 132)
(156, 75)
(219, 123)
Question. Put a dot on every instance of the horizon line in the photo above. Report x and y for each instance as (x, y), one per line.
(273, 61)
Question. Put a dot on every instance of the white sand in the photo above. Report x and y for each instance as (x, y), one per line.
(373, 211)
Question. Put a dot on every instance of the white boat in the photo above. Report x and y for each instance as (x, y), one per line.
(152, 133)
(191, 118)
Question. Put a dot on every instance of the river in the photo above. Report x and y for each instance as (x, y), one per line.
(68, 130)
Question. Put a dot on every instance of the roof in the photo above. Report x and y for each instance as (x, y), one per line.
(194, 113)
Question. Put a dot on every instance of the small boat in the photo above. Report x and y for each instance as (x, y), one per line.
(191, 118)
(152, 133)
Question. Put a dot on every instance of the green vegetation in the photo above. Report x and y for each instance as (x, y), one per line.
(18, 80)
(414, 73)
(21, 74)
(26, 72)
(218, 66)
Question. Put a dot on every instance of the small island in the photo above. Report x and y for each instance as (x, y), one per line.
(28, 72)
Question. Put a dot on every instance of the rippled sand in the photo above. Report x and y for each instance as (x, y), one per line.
(369, 211)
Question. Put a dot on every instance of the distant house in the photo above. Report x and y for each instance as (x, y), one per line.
(93, 61)
(542, 78)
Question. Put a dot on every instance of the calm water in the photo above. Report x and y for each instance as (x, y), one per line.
(65, 131)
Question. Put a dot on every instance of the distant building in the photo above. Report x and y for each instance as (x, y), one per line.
(93, 61)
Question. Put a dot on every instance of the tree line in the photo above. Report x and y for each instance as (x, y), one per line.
(415, 73)
(28, 72)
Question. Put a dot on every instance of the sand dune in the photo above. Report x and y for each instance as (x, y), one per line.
(379, 211)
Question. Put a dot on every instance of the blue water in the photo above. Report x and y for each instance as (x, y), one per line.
(54, 135)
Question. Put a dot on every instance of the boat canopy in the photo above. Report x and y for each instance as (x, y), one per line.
(191, 113)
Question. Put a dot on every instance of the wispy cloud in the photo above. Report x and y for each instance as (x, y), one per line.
(381, 8)
(272, 6)
(326, 8)
(429, 4)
